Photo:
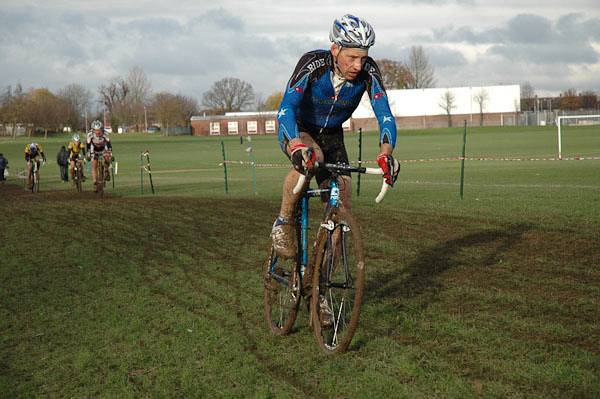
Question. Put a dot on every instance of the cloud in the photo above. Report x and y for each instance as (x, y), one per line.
(187, 47)
(533, 38)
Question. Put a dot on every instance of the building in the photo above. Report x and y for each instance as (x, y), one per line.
(425, 108)
(235, 123)
(413, 109)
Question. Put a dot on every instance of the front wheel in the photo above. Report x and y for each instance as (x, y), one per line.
(100, 177)
(338, 281)
(281, 292)
(78, 175)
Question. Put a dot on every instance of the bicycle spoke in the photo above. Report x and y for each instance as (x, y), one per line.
(282, 293)
(341, 282)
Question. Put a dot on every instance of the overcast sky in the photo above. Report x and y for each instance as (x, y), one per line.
(186, 45)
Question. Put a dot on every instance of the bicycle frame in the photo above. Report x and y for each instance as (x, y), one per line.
(304, 217)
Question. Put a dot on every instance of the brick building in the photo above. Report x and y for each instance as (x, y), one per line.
(235, 123)
(412, 109)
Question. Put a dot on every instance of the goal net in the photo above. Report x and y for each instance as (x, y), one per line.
(578, 120)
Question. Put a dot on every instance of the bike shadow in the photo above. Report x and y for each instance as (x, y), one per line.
(419, 283)
(420, 276)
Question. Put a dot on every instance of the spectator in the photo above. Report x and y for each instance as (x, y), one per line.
(3, 166)
(63, 161)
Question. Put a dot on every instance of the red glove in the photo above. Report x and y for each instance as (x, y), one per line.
(303, 157)
(390, 168)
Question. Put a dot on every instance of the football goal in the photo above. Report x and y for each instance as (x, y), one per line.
(594, 119)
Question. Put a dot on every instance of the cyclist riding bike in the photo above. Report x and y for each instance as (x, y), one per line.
(33, 152)
(76, 153)
(98, 144)
(323, 92)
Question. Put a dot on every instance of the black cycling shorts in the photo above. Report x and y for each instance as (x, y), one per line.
(331, 142)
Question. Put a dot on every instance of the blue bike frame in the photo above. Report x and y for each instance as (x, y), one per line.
(333, 201)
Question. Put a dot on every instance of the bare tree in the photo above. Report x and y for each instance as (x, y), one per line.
(172, 109)
(114, 96)
(527, 97)
(78, 100)
(420, 69)
(12, 107)
(481, 98)
(447, 103)
(139, 92)
(395, 74)
(228, 94)
(570, 100)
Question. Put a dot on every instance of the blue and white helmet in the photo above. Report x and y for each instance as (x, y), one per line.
(351, 31)
(96, 125)
(76, 137)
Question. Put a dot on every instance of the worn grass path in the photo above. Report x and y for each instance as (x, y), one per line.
(162, 297)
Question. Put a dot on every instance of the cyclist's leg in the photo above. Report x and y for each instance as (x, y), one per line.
(72, 170)
(29, 174)
(283, 233)
(95, 171)
(106, 160)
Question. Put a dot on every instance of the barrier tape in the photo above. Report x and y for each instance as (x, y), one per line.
(423, 160)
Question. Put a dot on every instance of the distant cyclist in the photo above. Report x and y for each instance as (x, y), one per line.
(76, 153)
(98, 144)
(33, 152)
(324, 90)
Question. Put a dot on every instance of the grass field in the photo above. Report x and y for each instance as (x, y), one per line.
(495, 295)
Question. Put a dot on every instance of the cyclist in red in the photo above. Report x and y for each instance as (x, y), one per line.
(323, 92)
(98, 144)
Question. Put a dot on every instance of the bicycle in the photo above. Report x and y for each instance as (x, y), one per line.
(34, 178)
(78, 173)
(101, 159)
(335, 276)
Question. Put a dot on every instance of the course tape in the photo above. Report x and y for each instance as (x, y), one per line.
(423, 160)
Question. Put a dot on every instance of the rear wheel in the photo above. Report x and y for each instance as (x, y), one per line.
(338, 281)
(281, 292)
(77, 176)
(35, 176)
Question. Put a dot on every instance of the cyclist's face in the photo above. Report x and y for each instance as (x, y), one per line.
(98, 132)
(350, 61)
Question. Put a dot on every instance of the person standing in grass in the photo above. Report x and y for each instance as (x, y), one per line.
(3, 166)
(62, 159)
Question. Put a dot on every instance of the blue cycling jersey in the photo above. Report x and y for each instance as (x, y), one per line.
(310, 98)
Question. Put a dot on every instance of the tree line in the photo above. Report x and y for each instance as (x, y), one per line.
(129, 102)
(568, 100)
(126, 102)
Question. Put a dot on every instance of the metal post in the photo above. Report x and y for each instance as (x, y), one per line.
(147, 153)
(359, 159)
(224, 166)
(142, 173)
(558, 122)
(253, 163)
(462, 162)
